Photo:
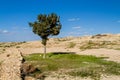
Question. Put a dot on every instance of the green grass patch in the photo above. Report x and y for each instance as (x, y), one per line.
(74, 65)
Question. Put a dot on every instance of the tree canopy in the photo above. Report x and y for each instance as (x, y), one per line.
(46, 25)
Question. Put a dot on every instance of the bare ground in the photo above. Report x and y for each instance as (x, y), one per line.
(10, 67)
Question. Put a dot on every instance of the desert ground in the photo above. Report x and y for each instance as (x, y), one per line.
(101, 45)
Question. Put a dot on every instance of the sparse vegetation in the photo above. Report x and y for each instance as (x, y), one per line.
(63, 39)
(4, 49)
(71, 45)
(17, 46)
(10, 44)
(117, 48)
(98, 44)
(92, 72)
(77, 65)
(0, 68)
(99, 36)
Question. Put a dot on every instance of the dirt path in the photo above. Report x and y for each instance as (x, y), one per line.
(11, 62)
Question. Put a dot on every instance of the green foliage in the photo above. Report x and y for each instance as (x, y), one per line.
(46, 25)
(77, 65)
(93, 72)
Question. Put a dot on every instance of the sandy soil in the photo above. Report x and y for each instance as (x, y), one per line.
(10, 67)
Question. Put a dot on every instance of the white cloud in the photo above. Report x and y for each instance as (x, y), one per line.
(77, 27)
(78, 31)
(73, 19)
(4, 31)
(75, 32)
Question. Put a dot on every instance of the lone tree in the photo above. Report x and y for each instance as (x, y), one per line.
(45, 26)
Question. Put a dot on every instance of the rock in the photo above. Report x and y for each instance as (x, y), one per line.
(28, 68)
(29, 78)
(8, 55)
(40, 76)
(29, 71)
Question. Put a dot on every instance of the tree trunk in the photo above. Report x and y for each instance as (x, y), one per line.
(44, 55)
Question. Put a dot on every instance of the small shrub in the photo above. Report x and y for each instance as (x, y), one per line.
(71, 45)
(17, 46)
(4, 49)
(24, 42)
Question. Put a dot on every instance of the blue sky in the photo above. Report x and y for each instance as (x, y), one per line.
(78, 17)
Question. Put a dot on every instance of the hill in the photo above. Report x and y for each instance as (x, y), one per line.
(100, 45)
